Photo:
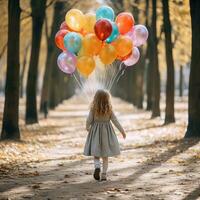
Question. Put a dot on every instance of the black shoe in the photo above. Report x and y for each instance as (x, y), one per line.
(97, 174)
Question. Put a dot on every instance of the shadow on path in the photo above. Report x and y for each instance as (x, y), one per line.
(195, 194)
(93, 187)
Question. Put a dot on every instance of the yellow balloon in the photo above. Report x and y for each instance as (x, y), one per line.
(90, 20)
(81, 52)
(91, 45)
(85, 65)
(108, 54)
(123, 45)
(75, 19)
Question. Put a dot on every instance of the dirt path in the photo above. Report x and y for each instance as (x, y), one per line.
(155, 163)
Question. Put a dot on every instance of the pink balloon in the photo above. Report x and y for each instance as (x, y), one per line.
(130, 33)
(140, 35)
(133, 58)
(67, 62)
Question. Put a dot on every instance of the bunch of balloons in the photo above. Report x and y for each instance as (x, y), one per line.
(83, 36)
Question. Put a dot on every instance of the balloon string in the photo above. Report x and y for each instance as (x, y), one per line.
(122, 73)
(107, 75)
(110, 82)
(113, 73)
(80, 85)
(116, 75)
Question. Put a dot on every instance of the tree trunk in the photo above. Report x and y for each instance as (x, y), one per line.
(62, 87)
(149, 58)
(23, 71)
(54, 93)
(156, 74)
(38, 14)
(69, 87)
(149, 87)
(139, 67)
(181, 81)
(51, 55)
(193, 129)
(169, 110)
(140, 80)
(136, 72)
(10, 127)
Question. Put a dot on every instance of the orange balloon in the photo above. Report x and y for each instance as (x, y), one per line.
(91, 45)
(108, 54)
(123, 45)
(81, 52)
(83, 32)
(124, 21)
(125, 57)
(85, 65)
(90, 20)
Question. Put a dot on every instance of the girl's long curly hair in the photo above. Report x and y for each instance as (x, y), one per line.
(101, 105)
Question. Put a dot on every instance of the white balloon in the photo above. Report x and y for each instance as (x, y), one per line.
(140, 35)
(134, 57)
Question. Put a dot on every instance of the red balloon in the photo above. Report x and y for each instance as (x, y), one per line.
(59, 37)
(103, 29)
(125, 22)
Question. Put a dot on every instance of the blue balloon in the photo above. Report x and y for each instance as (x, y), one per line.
(72, 42)
(105, 12)
(114, 34)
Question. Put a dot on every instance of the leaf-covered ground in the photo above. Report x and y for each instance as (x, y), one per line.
(155, 162)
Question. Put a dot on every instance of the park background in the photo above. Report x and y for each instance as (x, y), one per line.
(43, 111)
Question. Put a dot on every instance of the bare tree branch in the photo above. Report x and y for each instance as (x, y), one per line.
(50, 3)
(22, 10)
(46, 29)
(74, 3)
(160, 35)
(3, 49)
(25, 17)
(175, 40)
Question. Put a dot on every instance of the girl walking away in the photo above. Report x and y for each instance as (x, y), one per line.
(102, 141)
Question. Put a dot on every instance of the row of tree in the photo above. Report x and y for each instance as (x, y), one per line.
(132, 84)
(57, 88)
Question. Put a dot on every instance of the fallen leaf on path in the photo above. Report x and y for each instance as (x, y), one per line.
(36, 186)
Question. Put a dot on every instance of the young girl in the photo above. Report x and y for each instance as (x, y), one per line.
(101, 140)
